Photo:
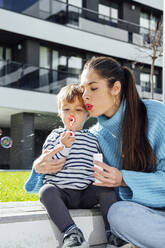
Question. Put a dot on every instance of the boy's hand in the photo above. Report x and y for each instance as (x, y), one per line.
(66, 139)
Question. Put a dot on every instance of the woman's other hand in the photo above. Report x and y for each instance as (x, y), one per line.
(45, 164)
(107, 175)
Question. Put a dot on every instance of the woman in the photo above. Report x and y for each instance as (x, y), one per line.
(131, 133)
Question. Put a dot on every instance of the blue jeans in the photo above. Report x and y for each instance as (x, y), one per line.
(137, 224)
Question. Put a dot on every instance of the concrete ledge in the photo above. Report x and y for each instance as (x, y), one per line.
(26, 224)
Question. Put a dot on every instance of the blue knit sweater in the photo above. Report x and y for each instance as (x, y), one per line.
(145, 188)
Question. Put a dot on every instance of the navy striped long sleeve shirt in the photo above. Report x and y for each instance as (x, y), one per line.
(77, 172)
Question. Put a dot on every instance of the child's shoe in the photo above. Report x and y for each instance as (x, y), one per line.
(114, 242)
(74, 238)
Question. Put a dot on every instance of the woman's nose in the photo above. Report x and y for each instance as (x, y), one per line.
(85, 96)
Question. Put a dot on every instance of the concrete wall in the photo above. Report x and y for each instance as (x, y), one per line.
(30, 227)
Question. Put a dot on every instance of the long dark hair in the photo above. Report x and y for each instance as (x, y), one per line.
(137, 153)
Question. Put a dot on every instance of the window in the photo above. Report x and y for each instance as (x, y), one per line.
(104, 12)
(114, 14)
(8, 53)
(77, 3)
(145, 81)
(108, 13)
(60, 60)
(74, 9)
(144, 23)
(5, 53)
(44, 5)
(63, 62)
(1, 3)
(148, 22)
(154, 23)
(44, 57)
(1, 52)
(55, 60)
(74, 64)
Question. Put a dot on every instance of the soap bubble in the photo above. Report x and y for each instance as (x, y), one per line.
(6, 142)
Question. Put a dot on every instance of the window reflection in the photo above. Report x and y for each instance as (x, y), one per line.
(108, 13)
(44, 57)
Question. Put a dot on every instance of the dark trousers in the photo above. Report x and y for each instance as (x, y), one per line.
(57, 202)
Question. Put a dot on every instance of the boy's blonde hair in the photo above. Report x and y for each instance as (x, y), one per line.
(69, 93)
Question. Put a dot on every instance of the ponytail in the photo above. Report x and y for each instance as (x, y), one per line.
(137, 152)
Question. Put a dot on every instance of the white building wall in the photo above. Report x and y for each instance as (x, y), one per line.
(73, 37)
(157, 4)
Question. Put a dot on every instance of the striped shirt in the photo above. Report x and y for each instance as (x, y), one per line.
(77, 172)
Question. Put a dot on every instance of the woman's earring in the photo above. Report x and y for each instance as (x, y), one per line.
(114, 102)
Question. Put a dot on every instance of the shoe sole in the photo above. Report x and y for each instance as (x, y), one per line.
(111, 246)
(83, 245)
(123, 246)
(129, 246)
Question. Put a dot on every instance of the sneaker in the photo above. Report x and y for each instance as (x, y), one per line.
(129, 245)
(114, 242)
(74, 238)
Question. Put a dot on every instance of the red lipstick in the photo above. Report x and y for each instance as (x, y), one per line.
(88, 106)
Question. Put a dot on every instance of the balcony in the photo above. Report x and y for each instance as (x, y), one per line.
(27, 77)
(145, 92)
(58, 12)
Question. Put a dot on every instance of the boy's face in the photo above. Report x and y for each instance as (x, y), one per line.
(76, 109)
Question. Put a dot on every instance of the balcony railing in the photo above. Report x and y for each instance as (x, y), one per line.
(28, 77)
(88, 20)
(148, 89)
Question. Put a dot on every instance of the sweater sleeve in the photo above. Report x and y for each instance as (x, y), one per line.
(148, 188)
(145, 188)
(34, 182)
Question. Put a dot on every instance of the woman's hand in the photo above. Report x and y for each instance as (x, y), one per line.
(45, 164)
(107, 175)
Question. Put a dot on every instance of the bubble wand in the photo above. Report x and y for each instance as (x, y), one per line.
(72, 120)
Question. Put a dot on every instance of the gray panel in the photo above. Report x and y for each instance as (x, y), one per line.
(104, 30)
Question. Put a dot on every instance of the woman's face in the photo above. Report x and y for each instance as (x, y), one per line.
(98, 98)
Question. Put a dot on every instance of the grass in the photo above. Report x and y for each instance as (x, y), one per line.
(11, 187)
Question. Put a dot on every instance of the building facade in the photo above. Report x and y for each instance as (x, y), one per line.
(43, 47)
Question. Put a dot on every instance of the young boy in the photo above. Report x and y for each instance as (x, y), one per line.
(72, 186)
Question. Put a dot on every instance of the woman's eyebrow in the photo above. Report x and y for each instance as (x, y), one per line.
(93, 82)
(89, 84)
